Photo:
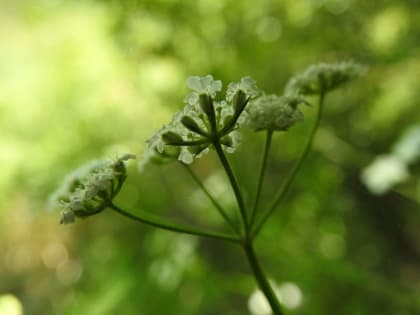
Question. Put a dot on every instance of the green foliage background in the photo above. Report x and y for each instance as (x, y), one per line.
(86, 79)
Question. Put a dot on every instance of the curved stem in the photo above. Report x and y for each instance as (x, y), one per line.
(233, 183)
(217, 205)
(285, 187)
(157, 222)
(261, 279)
(268, 138)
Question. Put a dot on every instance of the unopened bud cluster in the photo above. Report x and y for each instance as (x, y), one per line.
(324, 77)
(275, 113)
(89, 189)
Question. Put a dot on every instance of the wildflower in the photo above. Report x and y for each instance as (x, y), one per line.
(324, 77)
(275, 113)
(89, 189)
(203, 121)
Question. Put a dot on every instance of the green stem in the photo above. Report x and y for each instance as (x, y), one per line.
(157, 222)
(268, 138)
(285, 187)
(217, 205)
(188, 143)
(261, 279)
(233, 183)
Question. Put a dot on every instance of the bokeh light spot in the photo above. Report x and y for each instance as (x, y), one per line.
(387, 27)
(332, 245)
(69, 272)
(269, 29)
(257, 304)
(299, 12)
(383, 173)
(54, 254)
(10, 305)
(288, 293)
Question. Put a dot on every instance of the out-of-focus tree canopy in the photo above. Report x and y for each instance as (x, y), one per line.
(86, 79)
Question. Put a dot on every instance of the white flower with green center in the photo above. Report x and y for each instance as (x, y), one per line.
(203, 121)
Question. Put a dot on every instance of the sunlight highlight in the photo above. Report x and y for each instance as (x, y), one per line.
(10, 305)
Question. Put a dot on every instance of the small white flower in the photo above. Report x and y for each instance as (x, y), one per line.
(247, 85)
(204, 85)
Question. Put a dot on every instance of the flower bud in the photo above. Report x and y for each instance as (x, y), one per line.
(206, 104)
(67, 217)
(227, 141)
(271, 112)
(191, 124)
(239, 101)
(90, 189)
(170, 137)
(197, 149)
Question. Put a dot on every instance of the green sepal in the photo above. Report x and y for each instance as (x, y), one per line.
(197, 149)
(206, 104)
(227, 120)
(227, 141)
(191, 124)
(239, 101)
(171, 137)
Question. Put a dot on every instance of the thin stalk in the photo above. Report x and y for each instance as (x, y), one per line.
(154, 221)
(234, 184)
(263, 167)
(261, 279)
(188, 143)
(285, 187)
(217, 205)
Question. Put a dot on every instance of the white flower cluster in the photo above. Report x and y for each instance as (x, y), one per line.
(89, 189)
(324, 77)
(275, 113)
(203, 121)
(202, 85)
(247, 84)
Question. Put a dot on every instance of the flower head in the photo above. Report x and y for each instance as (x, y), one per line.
(275, 113)
(247, 85)
(324, 77)
(203, 121)
(89, 189)
(204, 85)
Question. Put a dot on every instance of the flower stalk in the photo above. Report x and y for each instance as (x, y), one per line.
(268, 138)
(215, 203)
(235, 187)
(285, 187)
(152, 220)
(262, 279)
